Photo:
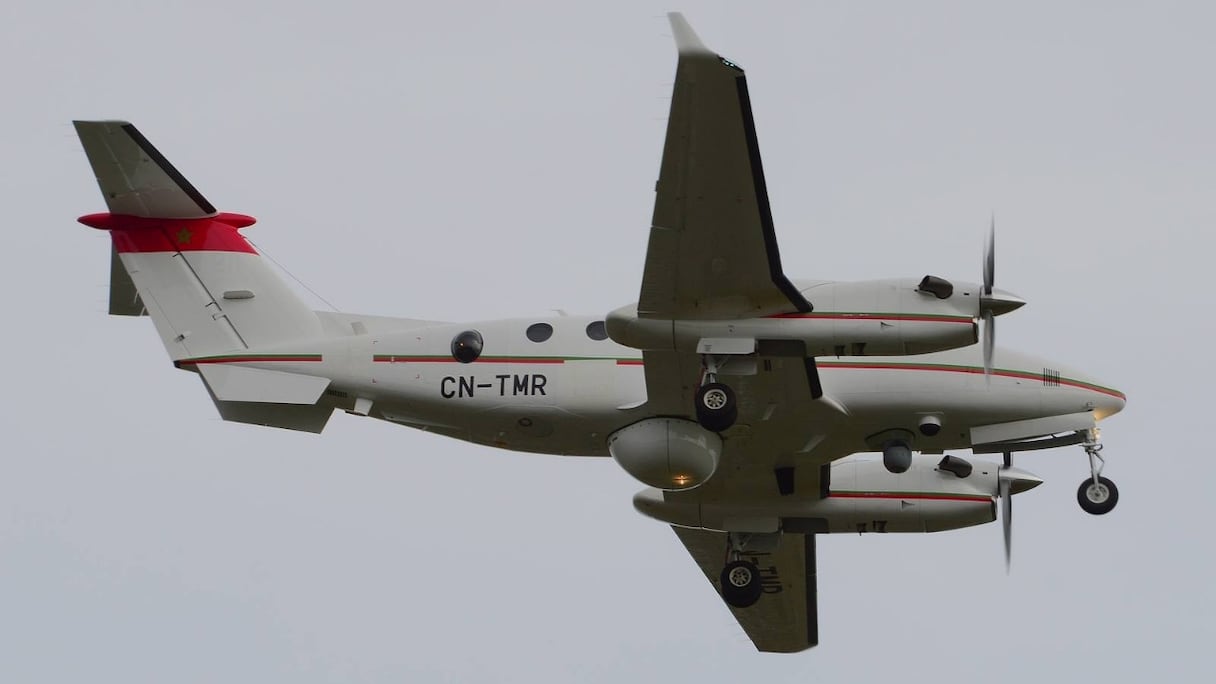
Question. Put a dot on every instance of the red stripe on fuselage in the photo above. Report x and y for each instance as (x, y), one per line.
(972, 370)
(392, 358)
(138, 234)
(860, 316)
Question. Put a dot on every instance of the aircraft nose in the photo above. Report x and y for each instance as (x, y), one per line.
(1108, 403)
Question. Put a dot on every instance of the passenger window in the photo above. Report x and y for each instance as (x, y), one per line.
(539, 332)
(597, 331)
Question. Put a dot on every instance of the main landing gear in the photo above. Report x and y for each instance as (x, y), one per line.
(716, 407)
(1097, 495)
(740, 579)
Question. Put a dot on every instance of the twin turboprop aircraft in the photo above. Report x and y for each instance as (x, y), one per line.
(733, 392)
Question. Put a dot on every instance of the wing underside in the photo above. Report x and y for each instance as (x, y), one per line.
(768, 385)
(785, 619)
(712, 252)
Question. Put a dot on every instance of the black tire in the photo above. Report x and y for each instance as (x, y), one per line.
(716, 407)
(1097, 499)
(741, 583)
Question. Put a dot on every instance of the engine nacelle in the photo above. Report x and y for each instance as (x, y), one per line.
(866, 497)
(862, 496)
(667, 453)
(873, 318)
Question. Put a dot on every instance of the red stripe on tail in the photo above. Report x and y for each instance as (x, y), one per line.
(140, 234)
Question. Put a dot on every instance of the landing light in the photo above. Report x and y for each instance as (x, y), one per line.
(681, 480)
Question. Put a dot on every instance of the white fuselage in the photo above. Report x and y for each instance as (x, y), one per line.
(566, 394)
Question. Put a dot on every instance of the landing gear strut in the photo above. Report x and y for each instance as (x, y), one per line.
(1097, 495)
(716, 407)
(740, 580)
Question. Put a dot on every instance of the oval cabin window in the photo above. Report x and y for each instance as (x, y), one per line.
(539, 332)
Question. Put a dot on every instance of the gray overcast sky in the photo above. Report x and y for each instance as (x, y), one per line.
(466, 160)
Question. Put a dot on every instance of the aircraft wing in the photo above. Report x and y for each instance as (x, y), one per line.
(712, 252)
(786, 618)
(782, 439)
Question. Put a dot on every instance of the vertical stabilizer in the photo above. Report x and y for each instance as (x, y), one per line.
(205, 287)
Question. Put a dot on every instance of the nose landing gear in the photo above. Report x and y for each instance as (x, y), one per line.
(1097, 495)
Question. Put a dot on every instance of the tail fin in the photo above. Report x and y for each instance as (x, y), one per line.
(205, 287)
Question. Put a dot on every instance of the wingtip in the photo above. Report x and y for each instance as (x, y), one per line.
(687, 41)
(88, 127)
(96, 122)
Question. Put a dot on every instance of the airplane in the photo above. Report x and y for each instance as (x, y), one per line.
(758, 410)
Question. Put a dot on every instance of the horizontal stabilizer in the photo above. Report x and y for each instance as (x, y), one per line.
(256, 385)
(135, 178)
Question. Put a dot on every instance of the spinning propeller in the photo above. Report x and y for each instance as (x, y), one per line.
(993, 302)
(1011, 481)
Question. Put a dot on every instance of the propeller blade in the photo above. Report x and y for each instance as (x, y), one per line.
(990, 258)
(986, 299)
(1007, 520)
(989, 342)
(1011, 481)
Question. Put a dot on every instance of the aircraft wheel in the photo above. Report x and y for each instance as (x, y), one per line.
(740, 583)
(1097, 498)
(716, 407)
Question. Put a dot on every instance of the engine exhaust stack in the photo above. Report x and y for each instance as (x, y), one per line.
(956, 465)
